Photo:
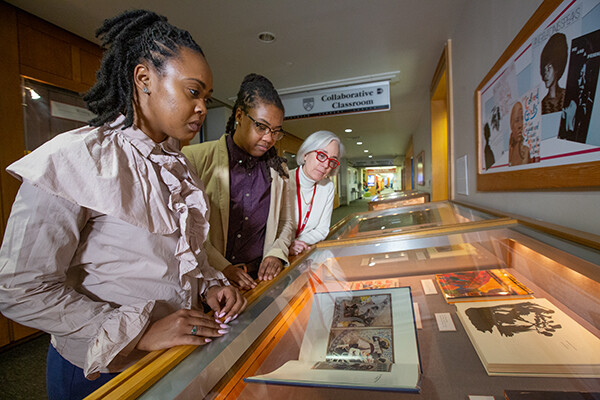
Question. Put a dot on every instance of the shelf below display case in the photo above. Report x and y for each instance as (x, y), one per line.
(270, 332)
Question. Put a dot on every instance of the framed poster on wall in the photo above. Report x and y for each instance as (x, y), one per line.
(537, 123)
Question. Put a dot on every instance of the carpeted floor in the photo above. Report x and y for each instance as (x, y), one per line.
(23, 370)
(355, 206)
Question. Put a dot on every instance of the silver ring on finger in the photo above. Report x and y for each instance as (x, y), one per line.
(194, 330)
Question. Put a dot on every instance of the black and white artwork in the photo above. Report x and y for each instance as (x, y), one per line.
(511, 319)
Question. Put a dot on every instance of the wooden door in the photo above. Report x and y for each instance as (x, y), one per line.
(440, 102)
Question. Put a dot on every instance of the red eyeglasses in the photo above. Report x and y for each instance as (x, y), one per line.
(322, 157)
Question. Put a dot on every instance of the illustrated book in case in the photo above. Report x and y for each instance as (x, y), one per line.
(375, 284)
(530, 337)
(363, 339)
(484, 285)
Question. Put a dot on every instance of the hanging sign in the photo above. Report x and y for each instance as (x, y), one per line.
(366, 97)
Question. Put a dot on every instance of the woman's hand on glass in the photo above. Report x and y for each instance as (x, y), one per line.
(183, 327)
(298, 246)
(226, 301)
(237, 275)
(269, 268)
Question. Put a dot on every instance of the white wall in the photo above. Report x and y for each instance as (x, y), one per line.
(484, 32)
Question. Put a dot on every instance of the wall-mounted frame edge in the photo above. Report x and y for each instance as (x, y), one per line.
(582, 176)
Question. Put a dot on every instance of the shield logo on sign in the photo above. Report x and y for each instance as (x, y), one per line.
(308, 103)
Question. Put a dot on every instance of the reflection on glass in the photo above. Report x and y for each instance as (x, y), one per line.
(407, 218)
(49, 110)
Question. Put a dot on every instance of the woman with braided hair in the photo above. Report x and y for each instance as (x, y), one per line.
(247, 184)
(103, 248)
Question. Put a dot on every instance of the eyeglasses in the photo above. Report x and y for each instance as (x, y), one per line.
(263, 129)
(331, 162)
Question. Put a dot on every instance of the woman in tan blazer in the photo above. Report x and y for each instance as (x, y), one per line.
(251, 225)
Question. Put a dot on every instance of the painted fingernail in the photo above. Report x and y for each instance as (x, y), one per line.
(207, 340)
(224, 326)
(223, 331)
(234, 317)
(227, 319)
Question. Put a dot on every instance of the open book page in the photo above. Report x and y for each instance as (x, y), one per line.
(530, 337)
(360, 339)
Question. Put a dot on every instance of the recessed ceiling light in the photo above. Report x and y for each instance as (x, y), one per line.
(370, 156)
(348, 130)
(266, 37)
(359, 143)
(366, 151)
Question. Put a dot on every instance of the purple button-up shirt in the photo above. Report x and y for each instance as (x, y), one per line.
(249, 202)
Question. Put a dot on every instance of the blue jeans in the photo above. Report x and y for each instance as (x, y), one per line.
(65, 381)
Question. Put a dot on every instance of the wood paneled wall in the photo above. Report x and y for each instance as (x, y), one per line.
(12, 142)
(35, 49)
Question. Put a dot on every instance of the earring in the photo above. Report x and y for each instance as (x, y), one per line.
(235, 125)
(145, 90)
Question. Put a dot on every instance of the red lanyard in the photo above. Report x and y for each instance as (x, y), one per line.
(298, 195)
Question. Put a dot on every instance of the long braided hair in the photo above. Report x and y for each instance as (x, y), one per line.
(133, 36)
(258, 89)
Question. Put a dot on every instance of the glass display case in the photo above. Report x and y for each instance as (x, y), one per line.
(537, 334)
(397, 199)
(406, 219)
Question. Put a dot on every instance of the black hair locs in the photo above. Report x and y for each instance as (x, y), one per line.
(257, 89)
(254, 89)
(131, 37)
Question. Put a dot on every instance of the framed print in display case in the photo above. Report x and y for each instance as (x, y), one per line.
(364, 339)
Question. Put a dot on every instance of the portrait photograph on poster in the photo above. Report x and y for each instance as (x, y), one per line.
(537, 126)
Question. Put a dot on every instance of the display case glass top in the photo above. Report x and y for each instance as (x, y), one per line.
(539, 339)
(520, 308)
(405, 219)
(397, 199)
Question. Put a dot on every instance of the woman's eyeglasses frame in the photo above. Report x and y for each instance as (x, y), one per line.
(263, 129)
(323, 157)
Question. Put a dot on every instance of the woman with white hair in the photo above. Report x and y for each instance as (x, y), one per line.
(313, 192)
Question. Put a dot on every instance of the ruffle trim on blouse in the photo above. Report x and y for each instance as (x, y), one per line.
(109, 170)
(100, 169)
(188, 202)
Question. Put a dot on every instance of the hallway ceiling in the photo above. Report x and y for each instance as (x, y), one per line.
(316, 41)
